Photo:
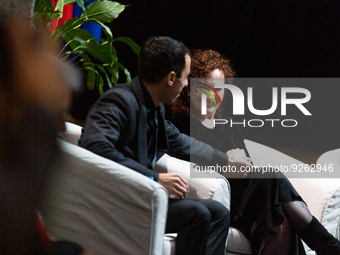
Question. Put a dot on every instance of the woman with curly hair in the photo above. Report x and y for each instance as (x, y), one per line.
(269, 211)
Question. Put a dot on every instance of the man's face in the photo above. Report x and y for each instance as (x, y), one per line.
(180, 83)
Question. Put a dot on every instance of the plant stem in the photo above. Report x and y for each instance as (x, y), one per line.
(74, 59)
(65, 47)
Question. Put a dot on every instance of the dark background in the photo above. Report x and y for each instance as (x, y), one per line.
(263, 39)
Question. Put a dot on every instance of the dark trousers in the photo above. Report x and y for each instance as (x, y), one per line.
(202, 226)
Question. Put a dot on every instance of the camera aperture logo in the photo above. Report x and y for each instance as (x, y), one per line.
(205, 89)
(239, 105)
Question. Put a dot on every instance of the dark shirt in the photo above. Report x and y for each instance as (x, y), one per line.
(152, 114)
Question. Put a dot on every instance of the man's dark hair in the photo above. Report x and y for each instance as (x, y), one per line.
(159, 56)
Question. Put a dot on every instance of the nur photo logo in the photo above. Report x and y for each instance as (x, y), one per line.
(281, 97)
(205, 87)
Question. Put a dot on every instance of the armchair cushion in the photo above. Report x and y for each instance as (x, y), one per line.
(237, 243)
(208, 186)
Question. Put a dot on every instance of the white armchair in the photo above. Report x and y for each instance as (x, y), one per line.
(322, 195)
(112, 209)
(104, 206)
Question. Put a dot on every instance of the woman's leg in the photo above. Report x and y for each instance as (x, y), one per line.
(280, 243)
(309, 229)
(298, 214)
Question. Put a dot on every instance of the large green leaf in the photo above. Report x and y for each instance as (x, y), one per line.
(76, 22)
(108, 79)
(103, 11)
(109, 37)
(113, 70)
(126, 72)
(88, 65)
(78, 36)
(99, 51)
(81, 4)
(99, 83)
(82, 40)
(65, 2)
(61, 9)
(129, 42)
(105, 28)
(114, 55)
(68, 26)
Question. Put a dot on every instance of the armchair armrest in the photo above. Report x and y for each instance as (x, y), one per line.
(72, 133)
(104, 206)
(208, 186)
(330, 157)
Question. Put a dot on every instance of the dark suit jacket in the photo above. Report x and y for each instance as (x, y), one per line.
(116, 128)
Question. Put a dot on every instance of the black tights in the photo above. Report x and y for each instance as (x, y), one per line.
(297, 214)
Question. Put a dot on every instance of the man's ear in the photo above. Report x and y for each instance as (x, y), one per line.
(170, 78)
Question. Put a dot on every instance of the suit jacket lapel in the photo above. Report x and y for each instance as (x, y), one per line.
(142, 132)
(162, 135)
(142, 153)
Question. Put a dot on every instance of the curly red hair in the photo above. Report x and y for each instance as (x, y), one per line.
(203, 62)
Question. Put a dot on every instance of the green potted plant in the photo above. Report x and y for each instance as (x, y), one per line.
(97, 56)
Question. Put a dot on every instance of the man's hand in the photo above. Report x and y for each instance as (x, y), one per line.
(174, 183)
(238, 158)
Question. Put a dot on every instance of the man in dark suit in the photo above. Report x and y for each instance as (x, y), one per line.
(127, 125)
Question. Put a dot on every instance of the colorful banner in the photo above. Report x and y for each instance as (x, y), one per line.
(68, 14)
(94, 29)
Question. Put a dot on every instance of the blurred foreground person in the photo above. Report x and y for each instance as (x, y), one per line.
(34, 96)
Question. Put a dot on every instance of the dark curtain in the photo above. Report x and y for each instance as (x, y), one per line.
(263, 38)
